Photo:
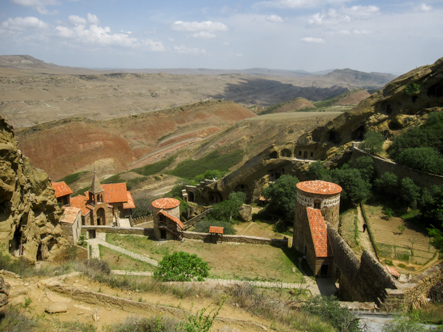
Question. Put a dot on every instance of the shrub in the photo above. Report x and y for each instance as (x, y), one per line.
(181, 266)
(152, 324)
(412, 89)
(329, 310)
(95, 266)
(403, 324)
(14, 320)
(143, 207)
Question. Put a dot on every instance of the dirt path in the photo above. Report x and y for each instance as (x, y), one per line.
(364, 239)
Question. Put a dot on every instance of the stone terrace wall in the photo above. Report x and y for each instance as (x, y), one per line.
(238, 239)
(120, 230)
(381, 166)
(359, 281)
(415, 292)
(189, 235)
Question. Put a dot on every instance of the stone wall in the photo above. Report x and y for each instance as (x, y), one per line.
(359, 281)
(206, 237)
(414, 293)
(119, 230)
(382, 165)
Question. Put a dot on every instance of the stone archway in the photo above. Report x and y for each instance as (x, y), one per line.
(101, 217)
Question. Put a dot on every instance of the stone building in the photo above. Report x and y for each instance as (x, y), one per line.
(62, 193)
(317, 202)
(104, 204)
(71, 222)
(167, 224)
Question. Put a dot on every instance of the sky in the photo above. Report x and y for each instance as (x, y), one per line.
(390, 36)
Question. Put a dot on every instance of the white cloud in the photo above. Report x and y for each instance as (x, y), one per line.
(313, 40)
(199, 26)
(185, 50)
(361, 11)
(102, 36)
(274, 18)
(424, 8)
(294, 4)
(203, 35)
(77, 20)
(23, 23)
(93, 19)
(361, 32)
(334, 16)
(39, 5)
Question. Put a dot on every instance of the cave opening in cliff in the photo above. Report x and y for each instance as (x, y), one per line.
(358, 133)
(436, 90)
(15, 245)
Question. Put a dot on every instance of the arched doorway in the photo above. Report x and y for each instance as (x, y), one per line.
(101, 217)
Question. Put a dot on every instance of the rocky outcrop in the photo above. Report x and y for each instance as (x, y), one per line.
(4, 292)
(29, 214)
(405, 102)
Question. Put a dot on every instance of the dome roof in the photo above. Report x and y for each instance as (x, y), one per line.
(319, 187)
(165, 203)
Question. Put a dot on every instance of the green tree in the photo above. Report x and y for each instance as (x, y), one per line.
(410, 192)
(431, 205)
(424, 159)
(282, 196)
(316, 171)
(372, 142)
(228, 210)
(355, 189)
(365, 165)
(181, 266)
(387, 185)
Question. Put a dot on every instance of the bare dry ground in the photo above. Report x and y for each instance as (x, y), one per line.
(33, 297)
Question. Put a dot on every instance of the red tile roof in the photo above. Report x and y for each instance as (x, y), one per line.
(318, 232)
(115, 193)
(80, 202)
(61, 189)
(174, 219)
(392, 271)
(216, 229)
(165, 203)
(69, 214)
(130, 202)
(319, 187)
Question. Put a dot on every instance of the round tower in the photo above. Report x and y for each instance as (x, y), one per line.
(169, 205)
(321, 195)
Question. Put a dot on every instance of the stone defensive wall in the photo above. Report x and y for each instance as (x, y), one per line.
(206, 237)
(413, 294)
(363, 281)
(381, 165)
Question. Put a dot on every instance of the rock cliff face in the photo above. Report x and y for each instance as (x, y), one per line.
(405, 102)
(29, 214)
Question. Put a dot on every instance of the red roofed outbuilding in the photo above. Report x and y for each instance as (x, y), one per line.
(62, 192)
(167, 224)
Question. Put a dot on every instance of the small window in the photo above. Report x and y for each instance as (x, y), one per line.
(312, 154)
(317, 204)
